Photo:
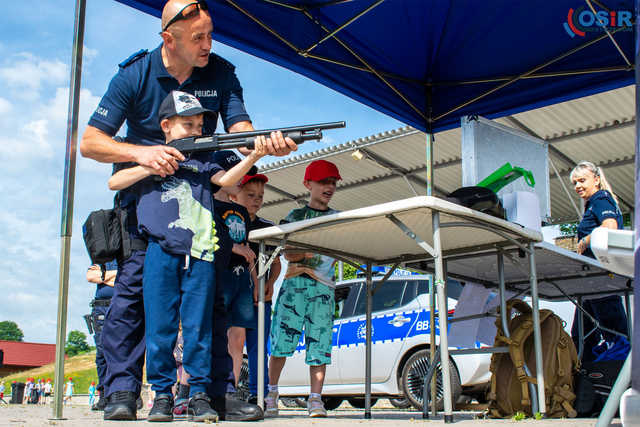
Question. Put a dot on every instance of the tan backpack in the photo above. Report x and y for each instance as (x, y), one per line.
(509, 391)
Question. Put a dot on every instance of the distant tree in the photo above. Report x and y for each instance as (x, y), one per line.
(76, 343)
(348, 271)
(10, 331)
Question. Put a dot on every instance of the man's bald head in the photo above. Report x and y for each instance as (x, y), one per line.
(171, 9)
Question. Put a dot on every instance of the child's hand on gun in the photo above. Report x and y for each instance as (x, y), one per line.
(244, 251)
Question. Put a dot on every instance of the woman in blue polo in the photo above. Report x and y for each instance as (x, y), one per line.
(600, 210)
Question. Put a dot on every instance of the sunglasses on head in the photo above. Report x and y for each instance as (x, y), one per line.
(189, 11)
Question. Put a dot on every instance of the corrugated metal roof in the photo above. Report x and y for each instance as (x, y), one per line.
(599, 128)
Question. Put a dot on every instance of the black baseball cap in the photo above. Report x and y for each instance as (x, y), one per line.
(179, 103)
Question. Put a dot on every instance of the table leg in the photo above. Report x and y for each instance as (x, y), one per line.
(537, 338)
(367, 385)
(442, 320)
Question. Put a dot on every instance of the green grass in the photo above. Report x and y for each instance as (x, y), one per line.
(81, 368)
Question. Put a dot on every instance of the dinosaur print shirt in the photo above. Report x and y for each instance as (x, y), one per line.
(177, 211)
(316, 266)
(235, 219)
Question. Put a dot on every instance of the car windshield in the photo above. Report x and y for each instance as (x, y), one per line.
(387, 296)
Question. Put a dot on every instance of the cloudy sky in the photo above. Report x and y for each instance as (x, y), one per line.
(35, 57)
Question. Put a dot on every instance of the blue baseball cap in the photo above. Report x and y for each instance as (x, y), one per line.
(179, 103)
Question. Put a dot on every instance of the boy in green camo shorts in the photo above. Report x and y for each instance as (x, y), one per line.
(306, 298)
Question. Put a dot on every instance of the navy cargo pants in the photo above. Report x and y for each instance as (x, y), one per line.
(98, 314)
(222, 378)
(123, 332)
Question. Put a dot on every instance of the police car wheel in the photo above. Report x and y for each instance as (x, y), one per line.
(413, 374)
(331, 403)
(358, 402)
(400, 403)
(289, 402)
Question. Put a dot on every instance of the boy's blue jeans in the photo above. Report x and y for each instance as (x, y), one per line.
(252, 351)
(173, 293)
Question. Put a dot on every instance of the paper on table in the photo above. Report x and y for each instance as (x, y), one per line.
(487, 331)
(472, 301)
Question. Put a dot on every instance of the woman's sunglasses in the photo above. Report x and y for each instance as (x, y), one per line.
(189, 11)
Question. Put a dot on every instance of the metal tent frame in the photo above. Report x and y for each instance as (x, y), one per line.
(430, 121)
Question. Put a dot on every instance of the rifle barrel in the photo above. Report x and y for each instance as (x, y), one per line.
(306, 128)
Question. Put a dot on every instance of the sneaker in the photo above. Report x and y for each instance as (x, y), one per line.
(121, 405)
(162, 408)
(316, 408)
(271, 404)
(200, 409)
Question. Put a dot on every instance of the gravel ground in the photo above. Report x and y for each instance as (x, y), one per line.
(79, 415)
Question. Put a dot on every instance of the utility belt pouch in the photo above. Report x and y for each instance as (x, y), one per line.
(89, 320)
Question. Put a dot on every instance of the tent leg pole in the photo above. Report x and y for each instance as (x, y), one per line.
(367, 384)
(66, 225)
(63, 296)
(442, 320)
(429, 163)
(432, 344)
(537, 338)
(432, 296)
(261, 349)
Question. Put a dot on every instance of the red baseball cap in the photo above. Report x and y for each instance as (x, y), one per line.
(321, 169)
(256, 177)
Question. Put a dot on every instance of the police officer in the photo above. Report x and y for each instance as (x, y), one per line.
(103, 276)
(182, 62)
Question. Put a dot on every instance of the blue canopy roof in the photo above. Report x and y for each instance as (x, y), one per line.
(429, 62)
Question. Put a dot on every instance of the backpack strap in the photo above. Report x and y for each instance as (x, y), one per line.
(518, 338)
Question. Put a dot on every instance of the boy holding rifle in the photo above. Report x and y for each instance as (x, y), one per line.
(176, 216)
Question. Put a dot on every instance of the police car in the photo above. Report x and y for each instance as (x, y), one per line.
(400, 352)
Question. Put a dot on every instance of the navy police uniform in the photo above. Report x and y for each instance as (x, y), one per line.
(608, 310)
(135, 94)
(99, 307)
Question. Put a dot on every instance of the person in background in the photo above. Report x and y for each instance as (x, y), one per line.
(251, 196)
(92, 393)
(306, 298)
(600, 210)
(2, 393)
(48, 387)
(104, 277)
(234, 296)
(28, 388)
(68, 391)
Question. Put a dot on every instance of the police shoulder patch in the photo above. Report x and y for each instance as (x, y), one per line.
(133, 58)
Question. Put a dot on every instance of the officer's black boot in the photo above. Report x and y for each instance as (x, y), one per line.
(101, 403)
(230, 408)
(121, 405)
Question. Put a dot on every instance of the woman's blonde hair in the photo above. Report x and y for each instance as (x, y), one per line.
(596, 171)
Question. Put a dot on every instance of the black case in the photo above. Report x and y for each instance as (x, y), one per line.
(478, 198)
